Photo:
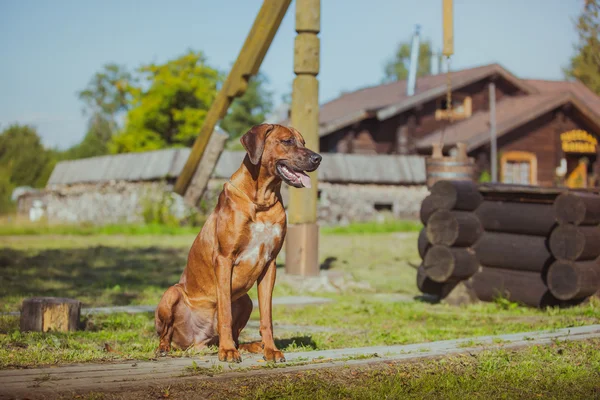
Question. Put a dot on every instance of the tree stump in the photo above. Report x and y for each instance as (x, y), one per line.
(44, 314)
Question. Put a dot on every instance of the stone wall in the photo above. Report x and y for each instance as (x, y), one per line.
(125, 202)
(343, 203)
(110, 202)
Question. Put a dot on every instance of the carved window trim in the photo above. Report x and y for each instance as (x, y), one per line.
(516, 157)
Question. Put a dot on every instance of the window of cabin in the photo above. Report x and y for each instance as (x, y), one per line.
(462, 107)
(519, 168)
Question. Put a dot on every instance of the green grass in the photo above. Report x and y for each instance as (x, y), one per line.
(562, 370)
(106, 270)
(23, 228)
(8, 229)
(366, 228)
(362, 321)
(569, 370)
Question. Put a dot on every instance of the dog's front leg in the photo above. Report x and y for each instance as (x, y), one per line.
(227, 350)
(265, 297)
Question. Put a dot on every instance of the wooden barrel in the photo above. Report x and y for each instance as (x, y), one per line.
(449, 169)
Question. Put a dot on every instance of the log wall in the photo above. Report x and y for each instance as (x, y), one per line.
(536, 246)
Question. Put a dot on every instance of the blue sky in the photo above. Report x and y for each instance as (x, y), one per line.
(50, 49)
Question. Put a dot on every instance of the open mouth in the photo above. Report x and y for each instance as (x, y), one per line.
(298, 179)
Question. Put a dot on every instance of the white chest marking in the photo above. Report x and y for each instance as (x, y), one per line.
(262, 235)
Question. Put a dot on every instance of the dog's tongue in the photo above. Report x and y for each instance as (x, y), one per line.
(305, 179)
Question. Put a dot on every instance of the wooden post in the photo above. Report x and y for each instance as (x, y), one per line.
(45, 314)
(302, 255)
(247, 64)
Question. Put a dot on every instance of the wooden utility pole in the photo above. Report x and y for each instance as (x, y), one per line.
(302, 242)
(246, 65)
(493, 149)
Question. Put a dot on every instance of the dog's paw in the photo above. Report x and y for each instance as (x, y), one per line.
(230, 355)
(273, 355)
(163, 351)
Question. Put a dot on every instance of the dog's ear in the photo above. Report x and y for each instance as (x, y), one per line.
(254, 141)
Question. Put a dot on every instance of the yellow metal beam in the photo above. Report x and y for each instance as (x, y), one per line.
(247, 64)
(448, 28)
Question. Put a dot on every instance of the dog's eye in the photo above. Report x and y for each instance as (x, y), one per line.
(288, 142)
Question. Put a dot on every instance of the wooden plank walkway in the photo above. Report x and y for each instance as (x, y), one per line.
(122, 376)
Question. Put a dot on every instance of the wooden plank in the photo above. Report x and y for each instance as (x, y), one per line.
(246, 65)
(513, 251)
(202, 175)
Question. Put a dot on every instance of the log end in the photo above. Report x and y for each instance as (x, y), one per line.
(565, 242)
(563, 280)
(442, 228)
(459, 195)
(569, 209)
(439, 263)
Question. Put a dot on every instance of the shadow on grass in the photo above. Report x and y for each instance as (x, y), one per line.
(97, 275)
(297, 341)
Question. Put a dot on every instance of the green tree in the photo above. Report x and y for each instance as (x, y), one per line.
(585, 64)
(6, 189)
(22, 153)
(108, 92)
(107, 95)
(248, 110)
(94, 143)
(396, 68)
(170, 108)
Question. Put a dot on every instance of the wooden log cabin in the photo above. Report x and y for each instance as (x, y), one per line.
(547, 130)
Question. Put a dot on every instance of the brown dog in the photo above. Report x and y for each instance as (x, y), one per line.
(237, 247)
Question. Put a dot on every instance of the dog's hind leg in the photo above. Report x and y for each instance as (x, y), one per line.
(164, 318)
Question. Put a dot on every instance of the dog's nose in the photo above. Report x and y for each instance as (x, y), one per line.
(315, 158)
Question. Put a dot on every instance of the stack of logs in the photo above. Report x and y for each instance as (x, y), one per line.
(539, 251)
(451, 228)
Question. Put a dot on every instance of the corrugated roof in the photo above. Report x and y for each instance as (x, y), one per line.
(129, 166)
(153, 165)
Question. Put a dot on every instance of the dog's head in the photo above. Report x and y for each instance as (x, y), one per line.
(281, 151)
